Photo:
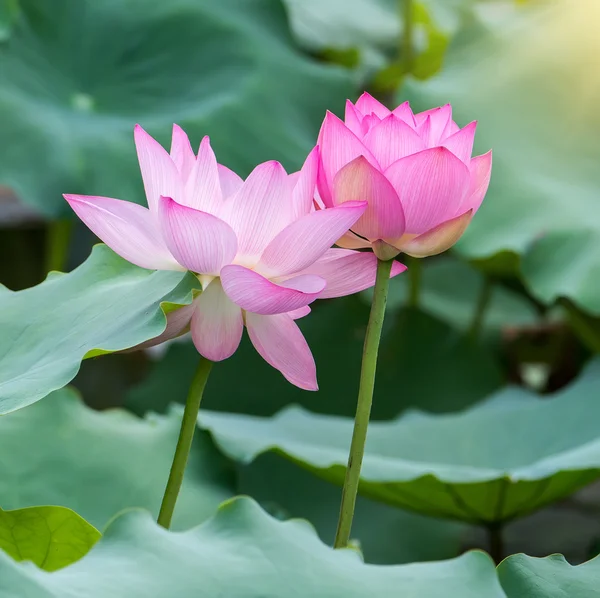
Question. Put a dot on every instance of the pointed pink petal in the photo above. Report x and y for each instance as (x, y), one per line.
(296, 314)
(424, 130)
(368, 122)
(404, 112)
(391, 140)
(127, 228)
(481, 170)
(431, 186)
(439, 239)
(461, 143)
(353, 119)
(367, 104)
(182, 153)
(217, 323)
(255, 293)
(230, 182)
(280, 343)
(203, 188)
(304, 241)
(347, 272)
(352, 241)
(159, 173)
(440, 117)
(178, 322)
(338, 146)
(359, 181)
(260, 209)
(199, 241)
(304, 183)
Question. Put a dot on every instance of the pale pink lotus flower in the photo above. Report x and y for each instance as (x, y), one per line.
(261, 252)
(415, 171)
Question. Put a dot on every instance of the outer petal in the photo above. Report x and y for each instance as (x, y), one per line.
(159, 172)
(127, 228)
(431, 186)
(481, 170)
(230, 182)
(182, 153)
(280, 343)
(461, 143)
(260, 209)
(199, 241)
(217, 324)
(177, 323)
(393, 139)
(384, 217)
(404, 112)
(367, 104)
(347, 272)
(255, 293)
(439, 239)
(440, 117)
(353, 119)
(303, 190)
(203, 187)
(304, 241)
(338, 146)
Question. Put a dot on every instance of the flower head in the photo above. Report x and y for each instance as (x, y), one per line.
(414, 170)
(260, 251)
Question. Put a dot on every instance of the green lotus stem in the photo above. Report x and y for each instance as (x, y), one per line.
(184, 443)
(365, 400)
(58, 239)
(415, 275)
(483, 301)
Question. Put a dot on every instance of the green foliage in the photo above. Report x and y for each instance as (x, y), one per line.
(528, 81)
(490, 464)
(105, 305)
(240, 553)
(50, 537)
(69, 100)
(553, 577)
(101, 463)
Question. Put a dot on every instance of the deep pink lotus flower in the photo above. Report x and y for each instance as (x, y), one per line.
(415, 171)
(261, 252)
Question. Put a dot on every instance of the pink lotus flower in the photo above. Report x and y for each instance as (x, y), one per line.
(261, 252)
(414, 170)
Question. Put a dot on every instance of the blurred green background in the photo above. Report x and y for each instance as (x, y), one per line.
(517, 301)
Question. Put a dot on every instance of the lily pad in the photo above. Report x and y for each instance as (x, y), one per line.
(99, 463)
(50, 537)
(414, 345)
(69, 100)
(107, 304)
(516, 78)
(495, 462)
(551, 577)
(240, 553)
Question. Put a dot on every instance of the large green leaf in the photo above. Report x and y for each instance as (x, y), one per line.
(50, 537)
(385, 535)
(530, 81)
(69, 100)
(500, 460)
(106, 304)
(523, 576)
(414, 345)
(60, 452)
(240, 553)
